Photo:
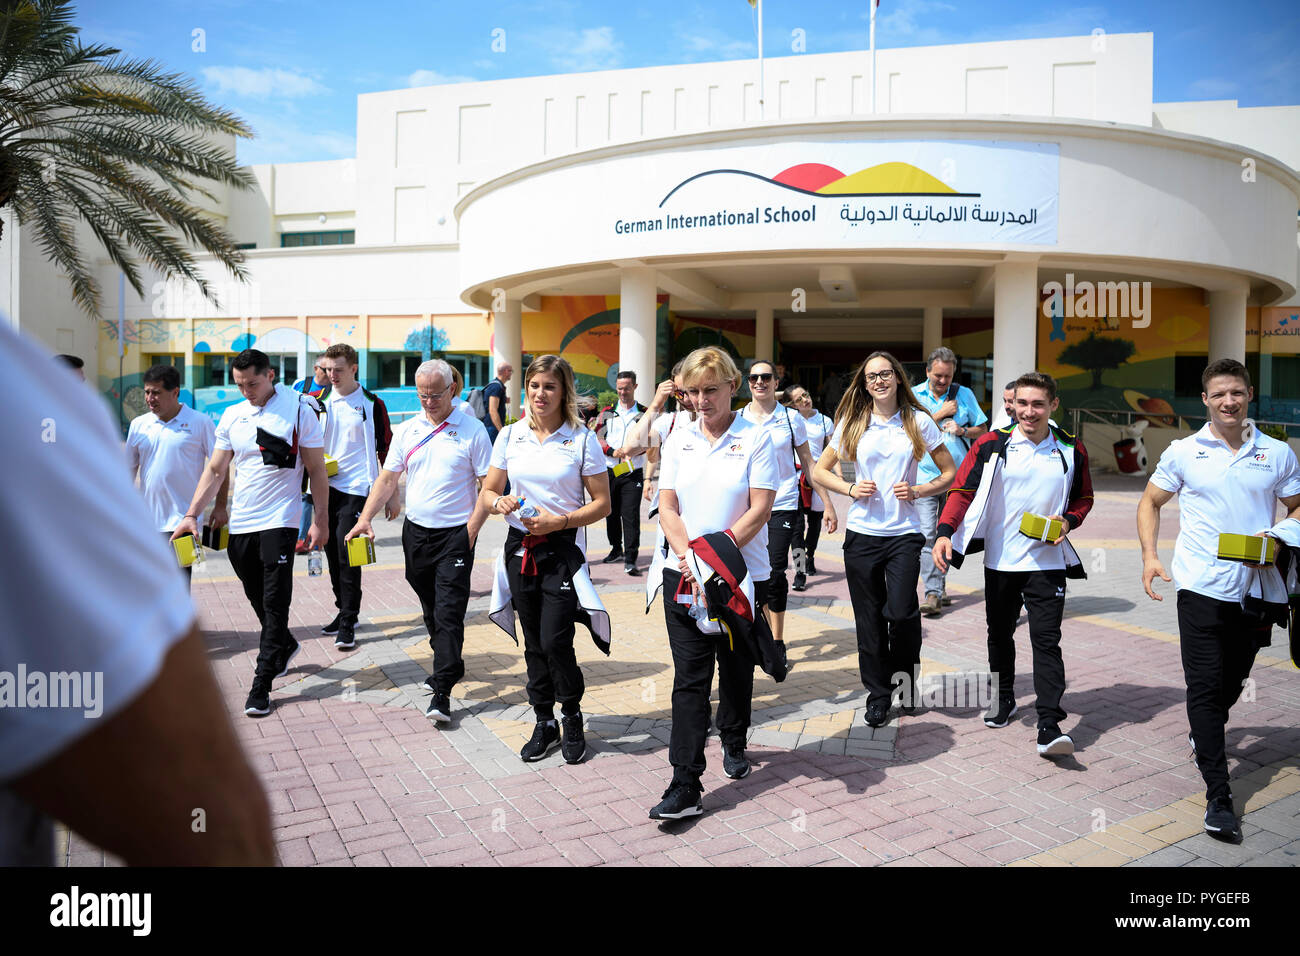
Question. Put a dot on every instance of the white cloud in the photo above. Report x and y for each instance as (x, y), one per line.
(282, 138)
(594, 48)
(266, 83)
(1213, 88)
(434, 78)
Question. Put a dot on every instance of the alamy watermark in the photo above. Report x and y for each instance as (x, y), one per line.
(955, 691)
(1098, 300)
(73, 690)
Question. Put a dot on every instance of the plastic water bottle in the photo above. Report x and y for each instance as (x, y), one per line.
(699, 612)
(314, 563)
(526, 510)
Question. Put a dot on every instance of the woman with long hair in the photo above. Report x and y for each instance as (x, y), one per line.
(717, 482)
(883, 429)
(549, 460)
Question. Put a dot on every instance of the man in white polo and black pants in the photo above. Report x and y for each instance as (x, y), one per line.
(1229, 477)
(1031, 467)
(269, 437)
(167, 448)
(615, 429)
(357, 436)
(445, 453)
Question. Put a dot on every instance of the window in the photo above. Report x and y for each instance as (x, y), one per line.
(396, 369)
(1187, 374)
(335, 237)
(245, 245)
(474, 369)
(175, 361)
(1285, 377)
(212, 372)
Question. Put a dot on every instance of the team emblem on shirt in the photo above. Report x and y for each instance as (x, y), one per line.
(1261, 456)
(1202, 454)
(567, 442)
(735, 446)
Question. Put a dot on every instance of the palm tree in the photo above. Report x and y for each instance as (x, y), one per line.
(89, 135)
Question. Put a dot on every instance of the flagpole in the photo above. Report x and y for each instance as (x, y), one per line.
(760, 59)
(873, 4)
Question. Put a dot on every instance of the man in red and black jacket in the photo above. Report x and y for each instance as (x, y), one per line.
(1033, 467)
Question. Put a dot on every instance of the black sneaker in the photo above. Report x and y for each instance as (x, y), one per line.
(346, 639)
(680, 800)
(615, 555)
(1221, 820)
(811, 569)
(288, 659)
(780, 651)
(259, 699)
(332, 628)
(439, 709)
(428, 686)
(574, 746)
(734, 764)
(800, 582)
(631, 569)
(1053, 743)
(877, 713)
(1191, 742)
(546, 737)
(1002, 716)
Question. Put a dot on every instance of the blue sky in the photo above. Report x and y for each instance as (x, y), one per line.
(293, 68)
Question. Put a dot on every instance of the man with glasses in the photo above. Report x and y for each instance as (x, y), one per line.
(445, 453)
(958, 414)
(357, 436)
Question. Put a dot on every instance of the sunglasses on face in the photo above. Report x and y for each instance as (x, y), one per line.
(761, 377)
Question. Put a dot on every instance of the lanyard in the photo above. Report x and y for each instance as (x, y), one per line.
(421, 443)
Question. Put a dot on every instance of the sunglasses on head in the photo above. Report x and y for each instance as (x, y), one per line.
(761, 377)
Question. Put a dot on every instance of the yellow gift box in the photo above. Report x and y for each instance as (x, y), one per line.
(361, 550)
(1250, 548)
(216, 539)
(1039, 527)
(622, 468)
(188, 551)
(331, 466)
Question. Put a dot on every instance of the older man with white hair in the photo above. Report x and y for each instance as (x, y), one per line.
(445, 453)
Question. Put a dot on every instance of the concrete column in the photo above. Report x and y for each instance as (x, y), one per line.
(636, 329)
(764, 333)
(508, 346)
(1228, 323)
(931, 329)
(1015, 321)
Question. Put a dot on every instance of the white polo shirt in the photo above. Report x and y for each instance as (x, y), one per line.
(267, 497)
(1032, 479)
(170, 457)
(548, 474)
(617, 426)
(346, 441)
(666, 424)
(89, 590)
(885, 456)
(712, 481)
(819, 428)
(783, 426)
(1219, 491)
(442, 463)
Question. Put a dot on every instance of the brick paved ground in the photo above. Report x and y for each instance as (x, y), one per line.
(356, 774)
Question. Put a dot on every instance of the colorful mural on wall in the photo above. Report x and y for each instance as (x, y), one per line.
(1108, 362)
